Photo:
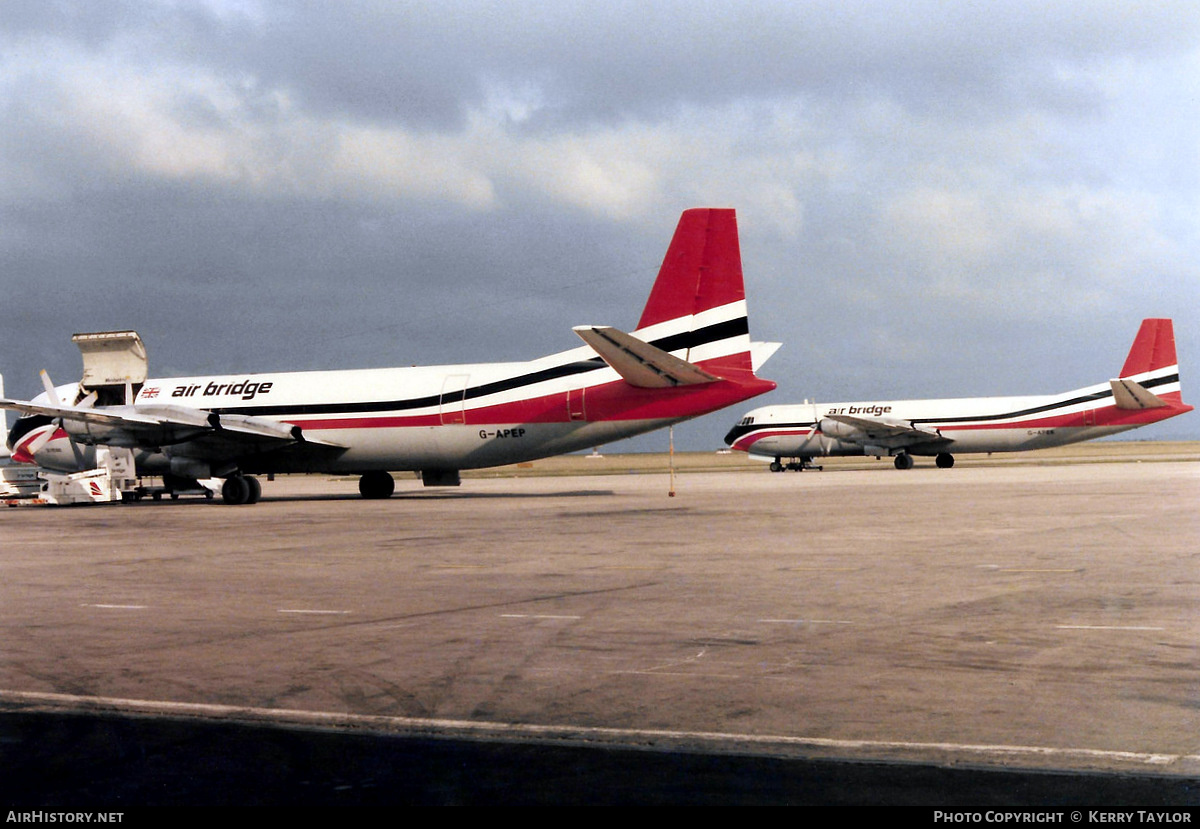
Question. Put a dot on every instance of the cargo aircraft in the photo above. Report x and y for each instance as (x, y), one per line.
(690, 354)
(1146, 391)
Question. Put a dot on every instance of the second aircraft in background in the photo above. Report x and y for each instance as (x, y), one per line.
(1146, 391)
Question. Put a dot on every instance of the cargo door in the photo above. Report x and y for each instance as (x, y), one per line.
(114, 365)
(575, 406)
(454, 399)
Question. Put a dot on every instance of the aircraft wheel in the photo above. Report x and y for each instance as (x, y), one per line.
(776, 466)
(376, 485)
(945, 460)
(903, 461)
(235, 491)
(255, 489)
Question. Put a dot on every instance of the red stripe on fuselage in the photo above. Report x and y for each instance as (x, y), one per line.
(615, 401)
(744, 443)
(1105, 416)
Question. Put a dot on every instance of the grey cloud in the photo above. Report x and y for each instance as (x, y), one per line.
(819, 121)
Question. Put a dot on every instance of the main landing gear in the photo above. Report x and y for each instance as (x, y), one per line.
(944, 460)
(798, 465)
(241, 489)
(376, 485)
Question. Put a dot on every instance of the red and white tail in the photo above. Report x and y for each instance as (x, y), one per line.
(1153, 349)
(697, 307)
(1150, 377)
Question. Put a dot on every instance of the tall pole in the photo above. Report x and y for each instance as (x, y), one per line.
(671, 460)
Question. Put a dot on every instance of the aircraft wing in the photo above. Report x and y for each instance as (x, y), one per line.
(104, 416)
(156, 426)
(639, 363)
(890, 434)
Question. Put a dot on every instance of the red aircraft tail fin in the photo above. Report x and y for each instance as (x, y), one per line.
(1153, 348)
(691, 351)
(702, 268)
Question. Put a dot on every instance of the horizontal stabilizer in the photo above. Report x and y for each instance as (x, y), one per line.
(1131, 395)
(761, 352)
(639, 363)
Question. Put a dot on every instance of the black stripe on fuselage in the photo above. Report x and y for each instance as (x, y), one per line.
(739, 430)
(687, 339)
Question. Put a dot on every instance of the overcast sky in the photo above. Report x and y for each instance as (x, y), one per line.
(935, 198)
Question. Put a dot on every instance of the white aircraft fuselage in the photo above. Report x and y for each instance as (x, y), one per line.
(430, 417)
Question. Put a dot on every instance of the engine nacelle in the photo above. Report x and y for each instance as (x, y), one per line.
(190, 468)
(841, 431)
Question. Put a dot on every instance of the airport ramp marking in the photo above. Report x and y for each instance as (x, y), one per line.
(664, 738)
(117, 606)
(1108, 627)
(536, 616)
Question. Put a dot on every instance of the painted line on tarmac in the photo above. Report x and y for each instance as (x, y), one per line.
(535, 616)
(1038, 569)
(1108, 627)
(118, 606)
(661, 738)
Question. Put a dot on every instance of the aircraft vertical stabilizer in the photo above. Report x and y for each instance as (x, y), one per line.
(702, 269)
(697, 307)
(1153, 348)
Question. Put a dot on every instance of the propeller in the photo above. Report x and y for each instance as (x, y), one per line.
(816, 429)
(41, 440)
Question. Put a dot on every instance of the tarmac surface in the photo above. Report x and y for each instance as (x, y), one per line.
(1040, 618)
